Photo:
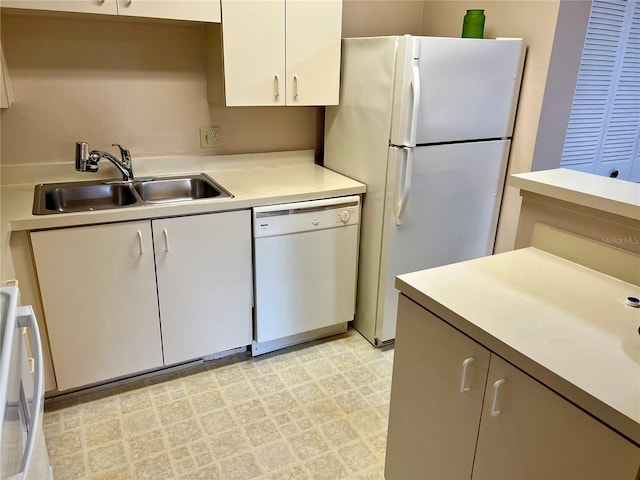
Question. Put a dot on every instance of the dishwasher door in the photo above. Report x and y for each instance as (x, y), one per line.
(306, 257)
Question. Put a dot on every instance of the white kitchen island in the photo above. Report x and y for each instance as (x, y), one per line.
(519, 365)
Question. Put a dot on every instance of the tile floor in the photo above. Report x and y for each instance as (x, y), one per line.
(316, 411)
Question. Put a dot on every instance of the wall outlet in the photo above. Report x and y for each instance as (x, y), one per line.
(210, 137)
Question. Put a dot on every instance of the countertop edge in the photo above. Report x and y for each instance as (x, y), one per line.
(149, 212)
(290, 178)
(601, 193)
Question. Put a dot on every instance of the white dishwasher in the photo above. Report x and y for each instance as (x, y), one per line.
(306, 257)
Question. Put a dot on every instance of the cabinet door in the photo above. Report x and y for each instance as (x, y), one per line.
(204, 279)
(195, 10)
(314, 31)
(6, 88)
(254, 52)
(100, 302)
(81, 6)
(433, 418)
(539, 434)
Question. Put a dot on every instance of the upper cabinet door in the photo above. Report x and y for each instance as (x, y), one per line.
(314, 30)
(6, 90)
(195, 10)
(81, 6)
(254, 52)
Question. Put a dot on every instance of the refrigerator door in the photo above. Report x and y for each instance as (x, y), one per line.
(451, 214)
(468, 89)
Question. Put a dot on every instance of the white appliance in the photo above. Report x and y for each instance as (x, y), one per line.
(426, 123)
(306, 256)
(23, 451)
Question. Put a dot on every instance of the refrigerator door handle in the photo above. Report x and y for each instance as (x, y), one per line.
(404, 184)
(415, 90)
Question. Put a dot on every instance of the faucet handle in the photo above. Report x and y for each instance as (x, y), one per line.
(126, 155)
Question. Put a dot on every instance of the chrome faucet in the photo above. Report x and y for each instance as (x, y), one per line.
(88, 161)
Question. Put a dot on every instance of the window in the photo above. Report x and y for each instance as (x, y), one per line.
(603, 135)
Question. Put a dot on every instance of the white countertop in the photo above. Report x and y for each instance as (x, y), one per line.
(595, 191)
(562, 323)
(253, 180)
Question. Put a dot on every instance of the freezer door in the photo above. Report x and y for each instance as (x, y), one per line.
(451, 214)
(468, 88)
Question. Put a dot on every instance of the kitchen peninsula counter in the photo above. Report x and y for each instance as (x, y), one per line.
(559, 322)
(608, 195)
(605, 210)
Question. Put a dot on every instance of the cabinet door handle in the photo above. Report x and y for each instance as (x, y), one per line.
(276, 87)
(494, 401)
(140, 242)
(166, 239)
(463, 379)
(295, 86)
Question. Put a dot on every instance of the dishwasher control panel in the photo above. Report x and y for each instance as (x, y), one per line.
(305, 216)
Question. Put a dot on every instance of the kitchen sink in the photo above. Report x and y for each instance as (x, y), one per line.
(82, 196)
(178, 188)
(102, 195)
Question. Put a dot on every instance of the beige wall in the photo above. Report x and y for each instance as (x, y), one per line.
(362, 18)
(535, 21)
(143, 84)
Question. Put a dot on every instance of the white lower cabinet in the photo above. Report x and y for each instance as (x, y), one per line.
(538, 434)
(99, 296)
(458, 411)
(98, 288)
(204, 274)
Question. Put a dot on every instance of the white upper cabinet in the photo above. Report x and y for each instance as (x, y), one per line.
(6, 90)
(107, 7)
(254, 52)
(194, 10)
(314, 30)
(276, 52)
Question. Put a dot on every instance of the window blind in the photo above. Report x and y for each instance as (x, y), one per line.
(604, 125)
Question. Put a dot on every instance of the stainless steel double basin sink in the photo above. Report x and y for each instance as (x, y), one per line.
(109, 194)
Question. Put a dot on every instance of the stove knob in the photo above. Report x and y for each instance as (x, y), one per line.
(345, 216)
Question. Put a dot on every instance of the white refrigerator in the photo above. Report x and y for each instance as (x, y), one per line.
(426, 124)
